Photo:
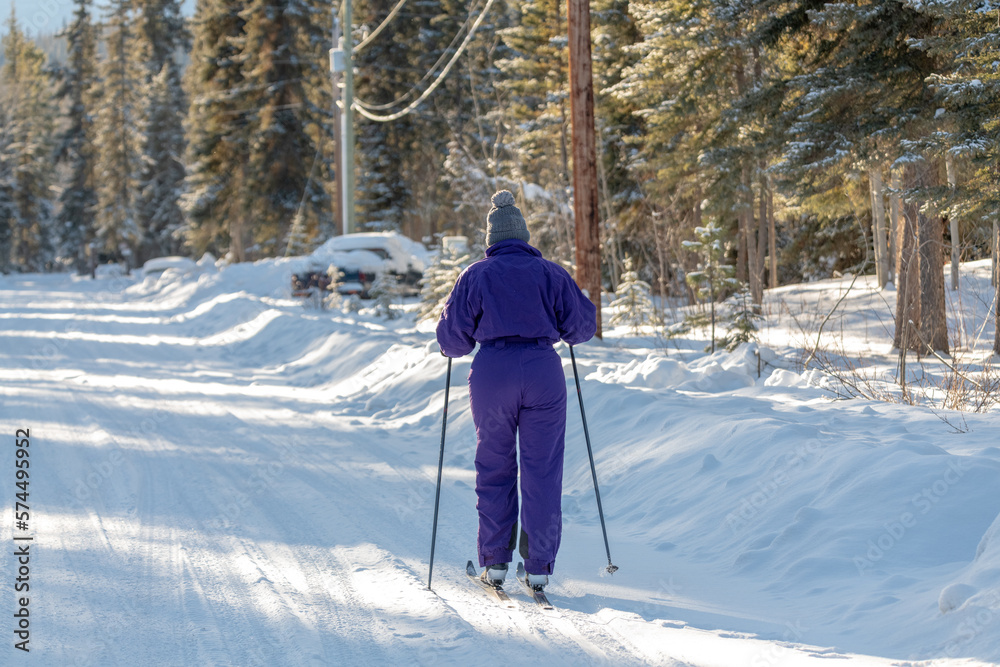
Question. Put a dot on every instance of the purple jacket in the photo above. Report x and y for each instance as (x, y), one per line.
(514, 291)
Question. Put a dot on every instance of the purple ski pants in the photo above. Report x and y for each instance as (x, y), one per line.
(518, 394)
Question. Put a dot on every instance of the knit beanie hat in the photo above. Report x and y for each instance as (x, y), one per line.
(504, 221)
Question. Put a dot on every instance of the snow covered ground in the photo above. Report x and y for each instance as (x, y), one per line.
(220, 476)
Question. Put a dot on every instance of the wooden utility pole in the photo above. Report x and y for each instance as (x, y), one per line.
(581, 87)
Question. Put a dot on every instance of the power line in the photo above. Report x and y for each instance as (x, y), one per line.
(427, 75)
(367, 40)
(413, 105)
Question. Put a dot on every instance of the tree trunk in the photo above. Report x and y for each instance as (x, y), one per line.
(762, 244)
(741, 251)
(750, 225)
(933, 324)
(907, 279)
(772, 242)
(878, 226)
(933, 315)
(996, 285)
(995, 278)
(894, 211)
(949, 162)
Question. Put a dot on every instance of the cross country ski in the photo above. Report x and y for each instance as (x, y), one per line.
(496, 591)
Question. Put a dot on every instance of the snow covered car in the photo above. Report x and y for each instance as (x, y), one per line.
(157, 266)
(361, 258)
(310, 282)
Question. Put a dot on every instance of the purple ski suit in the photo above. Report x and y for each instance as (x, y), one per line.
(516, 305)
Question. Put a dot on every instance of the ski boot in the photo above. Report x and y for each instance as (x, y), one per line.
(536, 582)
(494, 575)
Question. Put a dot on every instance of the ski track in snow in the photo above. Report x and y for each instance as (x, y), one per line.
(222, 478)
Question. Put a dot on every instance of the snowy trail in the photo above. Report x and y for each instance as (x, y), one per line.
(234, 481)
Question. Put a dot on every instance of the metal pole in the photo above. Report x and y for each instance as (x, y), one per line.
(437, 494)
(338, 138)
(347, 120)
(593, 469)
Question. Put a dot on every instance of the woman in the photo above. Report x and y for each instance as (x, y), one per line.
(516, 305)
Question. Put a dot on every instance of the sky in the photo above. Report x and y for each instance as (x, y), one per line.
(48, 16)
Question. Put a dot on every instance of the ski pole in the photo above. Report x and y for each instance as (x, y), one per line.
(593, 469)
(437, 494)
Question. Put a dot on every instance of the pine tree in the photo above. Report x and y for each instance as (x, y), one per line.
(401, 159)
(117, 134)
(744, 319)
(75, 218)
(27, 152)
(160, 34)
(623, 210)
(477, 149)
(681, 81)
(534, 80)
(967, 95)
(714, 278)
(8, 209)
(283, 57)
(384, 291)
(438, 280)
(215, 200)
(632, 305)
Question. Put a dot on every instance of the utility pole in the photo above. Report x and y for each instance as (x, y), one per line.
(336, 67)
(343, 58)
(585, 212)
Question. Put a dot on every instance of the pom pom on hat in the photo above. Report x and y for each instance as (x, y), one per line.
(504, 221)
(502, 198)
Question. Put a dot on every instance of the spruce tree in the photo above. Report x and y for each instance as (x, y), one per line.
(215, 201)
(967, 93)
(27, 152)
(632, 305)
(384, 291)
(714, 278)
(160, 34)
(75, 149)
(283, 58)
(744, 319)
(534, 81)
(681, 82)
(438, 280)
(117, 134)
(8, 209)
(623, 210)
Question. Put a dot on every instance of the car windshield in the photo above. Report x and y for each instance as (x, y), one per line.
(381, 252)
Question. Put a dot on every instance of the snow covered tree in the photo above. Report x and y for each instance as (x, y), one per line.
(534, 81)
(384, 291)
(118, 139)
(714, 279)
(406, 186)
(161, 34)
(967, 95)
(8, 209)
(286, 90)
(632, 305)
(744, 319)
(215, 201)
(438, 280)
(625, 215)
(75, 147)
(27, 152)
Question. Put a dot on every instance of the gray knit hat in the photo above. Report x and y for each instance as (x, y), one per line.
(504, 221)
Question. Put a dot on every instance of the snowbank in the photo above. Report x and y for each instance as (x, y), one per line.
(743, 503)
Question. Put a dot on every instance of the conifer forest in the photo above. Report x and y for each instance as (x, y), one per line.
(811, 138)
